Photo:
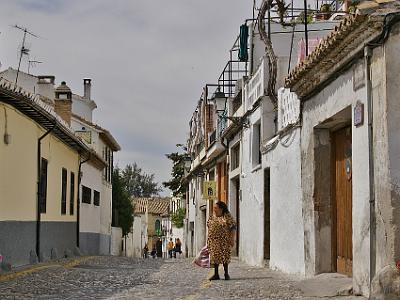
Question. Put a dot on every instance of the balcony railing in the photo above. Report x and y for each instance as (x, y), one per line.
(222, 122)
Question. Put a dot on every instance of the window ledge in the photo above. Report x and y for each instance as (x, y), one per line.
(256, 168)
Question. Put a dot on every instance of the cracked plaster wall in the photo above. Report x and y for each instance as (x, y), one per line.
(315, 152)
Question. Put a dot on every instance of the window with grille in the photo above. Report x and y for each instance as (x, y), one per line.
(235, 157)
(43, 185)
(72, 194)
(63, 191)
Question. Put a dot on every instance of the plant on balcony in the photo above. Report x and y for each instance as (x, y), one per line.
(178, 217)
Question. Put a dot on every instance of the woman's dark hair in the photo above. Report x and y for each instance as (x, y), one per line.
(223, 206)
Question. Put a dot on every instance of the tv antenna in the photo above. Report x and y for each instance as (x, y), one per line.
(33, 63)
(23, 50)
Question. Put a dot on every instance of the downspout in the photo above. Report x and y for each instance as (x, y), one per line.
(39, 192)
(78, 205)
(372, 227)
(389, 21)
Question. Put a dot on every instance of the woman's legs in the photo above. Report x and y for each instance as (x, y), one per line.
(226, 274)
(216, 275)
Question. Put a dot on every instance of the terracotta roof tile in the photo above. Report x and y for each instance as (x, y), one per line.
(157, 206)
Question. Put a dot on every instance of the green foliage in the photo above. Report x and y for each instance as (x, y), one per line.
(122, 204)
(177, 173)
(300, 18)
(178, 217)
(137, 183)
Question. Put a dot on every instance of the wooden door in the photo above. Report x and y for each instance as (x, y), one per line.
(222, 182)
(342, 199)
(267, 196)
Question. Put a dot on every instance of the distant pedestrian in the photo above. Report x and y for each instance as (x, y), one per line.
(170, 247)
(159, 248)
(221, 235)
(146, 251)
(153, 252)
(178, 247)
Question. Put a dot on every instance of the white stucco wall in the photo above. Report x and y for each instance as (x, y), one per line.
(286, 220)
(82, 108)
(116, 238)
(251, 249)
(90, 213)
(134, 244)
(331, 100)
(200, 238)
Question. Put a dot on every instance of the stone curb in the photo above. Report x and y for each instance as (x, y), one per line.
(66, 263)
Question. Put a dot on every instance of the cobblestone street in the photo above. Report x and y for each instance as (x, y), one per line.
(124, 278)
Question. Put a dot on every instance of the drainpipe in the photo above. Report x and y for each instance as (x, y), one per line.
(372, 228)
(78, 206)
(390, 20)
(38, 213)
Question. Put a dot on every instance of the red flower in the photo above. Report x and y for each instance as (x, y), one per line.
(398, 265)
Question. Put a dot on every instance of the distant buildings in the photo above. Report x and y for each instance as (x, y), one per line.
(149, 216)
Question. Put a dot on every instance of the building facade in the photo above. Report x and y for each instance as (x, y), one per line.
(41, 153)
(95, 195)
(312, 170)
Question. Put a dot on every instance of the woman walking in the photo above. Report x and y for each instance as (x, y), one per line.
(221, 237)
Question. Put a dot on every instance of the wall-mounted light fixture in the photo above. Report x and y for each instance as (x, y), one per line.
(219, 99)
(187, 162)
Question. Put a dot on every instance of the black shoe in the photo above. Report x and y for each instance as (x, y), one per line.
(227, 277)
(214, 277)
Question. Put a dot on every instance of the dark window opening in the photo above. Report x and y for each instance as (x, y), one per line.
(235, 157)
(72, 195)
(86, 195)
(64, 191)
(43, 186)
(96, 198)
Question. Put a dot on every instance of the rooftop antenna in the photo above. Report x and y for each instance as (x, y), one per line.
(33, 63)
(23, 50)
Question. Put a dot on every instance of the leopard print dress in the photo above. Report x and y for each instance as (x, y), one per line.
(219, 238)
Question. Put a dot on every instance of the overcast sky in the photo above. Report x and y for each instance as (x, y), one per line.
(148, 61)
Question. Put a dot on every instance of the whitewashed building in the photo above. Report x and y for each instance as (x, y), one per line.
(95, 194)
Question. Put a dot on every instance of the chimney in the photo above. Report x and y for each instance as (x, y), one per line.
(63, 102)
(87, 85)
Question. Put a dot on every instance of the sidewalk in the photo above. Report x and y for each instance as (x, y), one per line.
(29, 269)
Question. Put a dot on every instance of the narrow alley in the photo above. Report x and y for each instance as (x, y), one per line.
(106, 277)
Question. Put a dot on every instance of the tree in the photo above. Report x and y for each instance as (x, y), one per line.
(177, 173)
(122, 204)
(138, 183)
(178, 217)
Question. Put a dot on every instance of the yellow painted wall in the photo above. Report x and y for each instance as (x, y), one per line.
(18, 169)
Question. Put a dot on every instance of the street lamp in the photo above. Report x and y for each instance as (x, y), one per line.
(219, 100)
(187, 162)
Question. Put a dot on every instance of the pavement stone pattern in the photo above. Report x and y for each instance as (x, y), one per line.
(107, 277)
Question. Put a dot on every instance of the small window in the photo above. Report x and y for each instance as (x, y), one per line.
(64, 191)
(235, 157)
(96, 198)
(72, 194)
(256, 145)
(158, 227)
(43, 185)
(86, 195)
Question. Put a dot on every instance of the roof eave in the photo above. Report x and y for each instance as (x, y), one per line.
(25, 103)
